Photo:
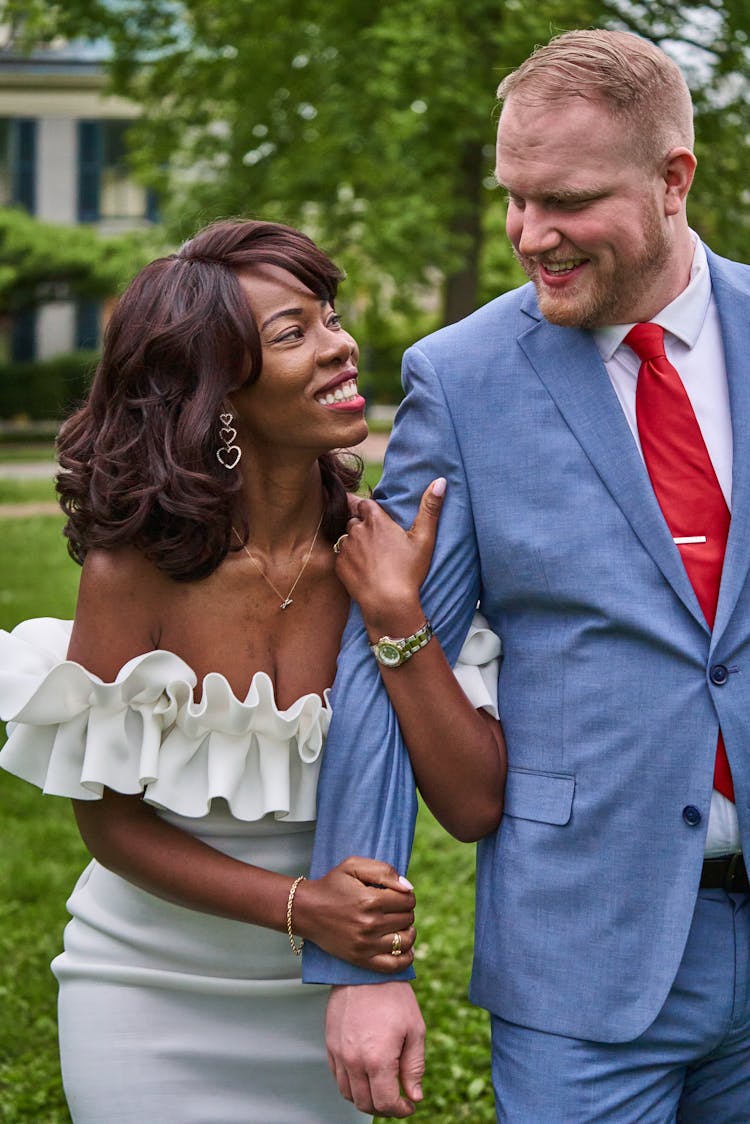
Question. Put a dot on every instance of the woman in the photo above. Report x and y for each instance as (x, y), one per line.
(186, 711)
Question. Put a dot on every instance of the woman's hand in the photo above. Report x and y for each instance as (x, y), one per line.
(355, 911)
(383, 566)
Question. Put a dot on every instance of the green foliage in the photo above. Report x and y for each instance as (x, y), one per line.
(43, 261)
(45, 388)
(372, 125)
(383, 340)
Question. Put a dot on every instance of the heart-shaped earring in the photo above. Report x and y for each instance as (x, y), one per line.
(228, 455)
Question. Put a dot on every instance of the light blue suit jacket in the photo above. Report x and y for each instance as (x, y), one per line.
(585, 892)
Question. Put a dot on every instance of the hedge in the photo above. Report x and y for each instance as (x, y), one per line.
(46, 388)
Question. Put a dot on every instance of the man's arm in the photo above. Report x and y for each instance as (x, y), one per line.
(366, 794)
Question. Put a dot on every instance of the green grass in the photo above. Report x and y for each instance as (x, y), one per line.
(26, 451)
(37, 578)
(43, 855)
(22, 490)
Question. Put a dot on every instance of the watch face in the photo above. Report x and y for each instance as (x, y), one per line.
(389, 654)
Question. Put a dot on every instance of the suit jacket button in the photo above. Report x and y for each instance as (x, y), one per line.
(691, 815)
(719, 675)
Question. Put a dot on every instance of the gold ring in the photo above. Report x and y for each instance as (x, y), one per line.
(337, 544)
(396, 949)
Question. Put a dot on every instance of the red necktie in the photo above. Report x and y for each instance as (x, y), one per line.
(684, 481)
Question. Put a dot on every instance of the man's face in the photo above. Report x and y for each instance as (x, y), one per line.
(586, 219)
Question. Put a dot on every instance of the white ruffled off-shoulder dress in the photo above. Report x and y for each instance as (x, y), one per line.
(168, 1015)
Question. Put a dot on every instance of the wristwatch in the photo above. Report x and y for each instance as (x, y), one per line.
(392, 651)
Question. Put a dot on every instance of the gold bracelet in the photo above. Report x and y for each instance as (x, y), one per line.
(296, 948)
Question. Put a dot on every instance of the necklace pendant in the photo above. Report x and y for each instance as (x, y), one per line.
(286, 603)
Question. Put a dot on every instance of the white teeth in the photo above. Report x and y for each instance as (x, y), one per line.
(343, 393)
(561, 266)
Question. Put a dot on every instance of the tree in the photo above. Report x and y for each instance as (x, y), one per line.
(371, 125)
(42, 261)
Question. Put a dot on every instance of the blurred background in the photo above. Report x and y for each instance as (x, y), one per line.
(126, 124)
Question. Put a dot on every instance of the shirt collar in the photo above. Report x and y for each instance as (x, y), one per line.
(683, 317)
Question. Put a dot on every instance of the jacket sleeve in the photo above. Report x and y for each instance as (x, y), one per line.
(366, 794)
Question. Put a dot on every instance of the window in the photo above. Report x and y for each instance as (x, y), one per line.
(18, 162)
(105, 187)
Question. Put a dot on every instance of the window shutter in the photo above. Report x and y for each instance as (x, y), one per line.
(23, 336)
(87, 324)
(24, 163)
(89, 170)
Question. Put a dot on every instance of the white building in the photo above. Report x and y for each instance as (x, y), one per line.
(62, 157)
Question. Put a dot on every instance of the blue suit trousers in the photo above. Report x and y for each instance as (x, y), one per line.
(692, 1065)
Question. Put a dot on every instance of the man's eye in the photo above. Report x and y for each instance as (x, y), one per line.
(576, 204)
(334, 320)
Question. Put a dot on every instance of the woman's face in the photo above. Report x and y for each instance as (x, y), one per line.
(306, 396)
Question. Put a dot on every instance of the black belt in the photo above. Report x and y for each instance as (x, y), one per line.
(727, 873)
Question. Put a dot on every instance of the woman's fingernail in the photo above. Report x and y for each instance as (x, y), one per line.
(438, 486)
(405, 882)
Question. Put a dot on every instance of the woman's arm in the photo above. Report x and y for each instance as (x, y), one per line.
(457, 752)
(352, 912)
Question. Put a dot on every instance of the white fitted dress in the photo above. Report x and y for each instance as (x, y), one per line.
(168, 1015)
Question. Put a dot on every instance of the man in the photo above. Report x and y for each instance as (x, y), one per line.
(613, 914)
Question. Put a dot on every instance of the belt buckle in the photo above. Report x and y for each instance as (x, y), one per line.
(731, 873)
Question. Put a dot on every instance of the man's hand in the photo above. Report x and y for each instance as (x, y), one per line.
(375, 1039)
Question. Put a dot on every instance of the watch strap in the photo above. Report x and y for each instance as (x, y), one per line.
(394, 651)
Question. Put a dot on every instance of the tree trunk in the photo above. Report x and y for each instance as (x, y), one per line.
(461, 287)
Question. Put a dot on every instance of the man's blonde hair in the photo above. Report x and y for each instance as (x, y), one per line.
(636, 81)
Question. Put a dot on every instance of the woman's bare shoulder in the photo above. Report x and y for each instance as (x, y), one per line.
(121, 567)
(121, 599)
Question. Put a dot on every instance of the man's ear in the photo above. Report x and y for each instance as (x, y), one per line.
(678, 172)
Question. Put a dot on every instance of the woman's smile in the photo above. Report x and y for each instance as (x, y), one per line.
(342, 394)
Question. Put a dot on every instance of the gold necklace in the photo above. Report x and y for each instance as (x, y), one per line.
(285, 601)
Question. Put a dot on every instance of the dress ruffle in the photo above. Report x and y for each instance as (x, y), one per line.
(72, 734)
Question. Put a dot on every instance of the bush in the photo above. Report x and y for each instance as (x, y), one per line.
(45, 388)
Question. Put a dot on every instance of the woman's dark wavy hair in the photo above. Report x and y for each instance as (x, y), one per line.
(139, 456)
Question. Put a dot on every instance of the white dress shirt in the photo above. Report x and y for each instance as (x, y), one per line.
(693, 344)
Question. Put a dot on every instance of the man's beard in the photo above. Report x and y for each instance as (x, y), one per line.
(605, 299)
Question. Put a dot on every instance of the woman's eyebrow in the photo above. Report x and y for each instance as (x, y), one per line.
(287, 312)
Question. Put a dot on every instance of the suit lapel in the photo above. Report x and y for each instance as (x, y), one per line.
(733, 304)
(580, 387)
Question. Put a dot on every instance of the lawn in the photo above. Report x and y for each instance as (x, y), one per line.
(21, 451)
(21, 490)
(43, 855)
